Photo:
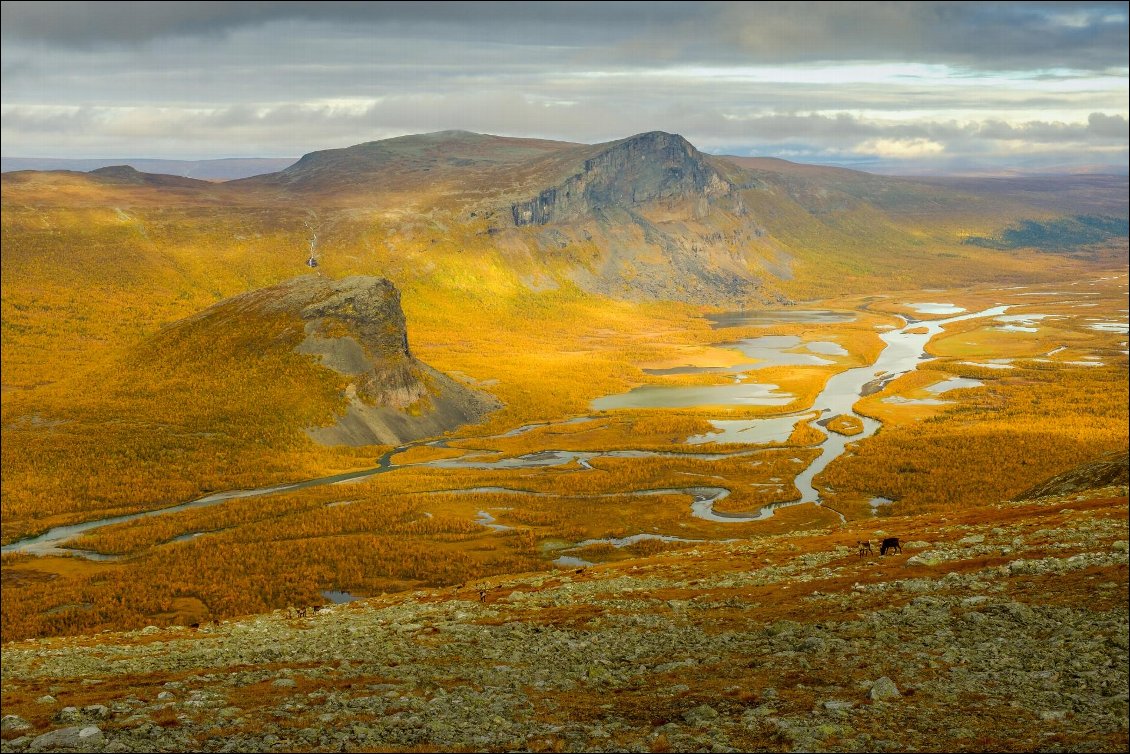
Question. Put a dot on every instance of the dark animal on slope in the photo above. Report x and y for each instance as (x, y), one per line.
(864, 546)
(890, 543)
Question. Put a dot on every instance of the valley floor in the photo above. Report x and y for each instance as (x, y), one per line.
(1003, 628)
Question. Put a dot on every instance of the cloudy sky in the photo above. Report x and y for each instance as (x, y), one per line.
(891, 87)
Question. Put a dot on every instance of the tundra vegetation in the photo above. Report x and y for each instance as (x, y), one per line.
(123, 391)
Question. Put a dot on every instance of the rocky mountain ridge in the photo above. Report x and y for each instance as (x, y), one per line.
(643, 168)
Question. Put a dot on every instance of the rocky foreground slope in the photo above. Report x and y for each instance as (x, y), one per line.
(998, 629)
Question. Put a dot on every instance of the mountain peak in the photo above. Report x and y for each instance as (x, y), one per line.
(647, 167)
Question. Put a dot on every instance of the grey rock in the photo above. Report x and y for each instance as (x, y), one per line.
(96, 711)
(68, 715)
(46, 699)
(701, 715)
(884, 689)
(285, 683)
(74, 738)
(14, 723)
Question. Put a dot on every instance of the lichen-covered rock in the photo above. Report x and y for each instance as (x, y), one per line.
(73, 738)
(883, 690)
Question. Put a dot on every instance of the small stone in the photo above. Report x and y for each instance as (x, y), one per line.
(972, 539)
(837, 705)
(884, 689)
(150, 630)
(166, 695)
(68, 715)
(285, 683)
(1053, 715)
(14, 723)
(47, 699)
(974, 600)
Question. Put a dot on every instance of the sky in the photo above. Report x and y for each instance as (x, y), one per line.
(890, 87)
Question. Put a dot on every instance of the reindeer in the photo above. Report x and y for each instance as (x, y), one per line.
(864, 546)
(890, 543)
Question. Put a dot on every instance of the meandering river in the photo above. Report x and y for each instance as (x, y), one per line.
(903, 351)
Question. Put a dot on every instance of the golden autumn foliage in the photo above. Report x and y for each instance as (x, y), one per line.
(115, 403)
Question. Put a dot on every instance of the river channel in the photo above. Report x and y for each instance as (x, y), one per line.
(903, 351)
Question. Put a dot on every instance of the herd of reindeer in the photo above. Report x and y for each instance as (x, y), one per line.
(890, 544)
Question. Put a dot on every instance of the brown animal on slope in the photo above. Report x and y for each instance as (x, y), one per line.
(890, 543)
(864, 546)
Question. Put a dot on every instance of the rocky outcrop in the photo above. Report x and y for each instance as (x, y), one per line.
(356, 327)
(1112, 469)
(643, 168)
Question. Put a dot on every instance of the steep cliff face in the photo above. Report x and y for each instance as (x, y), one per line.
(643, 168)
(356, 327)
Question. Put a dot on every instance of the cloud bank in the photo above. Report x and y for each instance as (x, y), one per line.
(889, 86)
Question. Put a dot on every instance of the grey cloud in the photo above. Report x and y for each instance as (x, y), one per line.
(93, 23)
(980, 34)
(1090, 35)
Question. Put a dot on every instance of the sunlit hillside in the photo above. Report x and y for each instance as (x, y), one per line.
(630, 347)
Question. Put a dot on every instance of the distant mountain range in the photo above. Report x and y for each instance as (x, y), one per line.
(205, 170)
(648, 217)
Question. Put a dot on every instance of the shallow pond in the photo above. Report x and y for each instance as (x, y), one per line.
(768, 318)
(690, 396)
(339, 597)
(929, 308)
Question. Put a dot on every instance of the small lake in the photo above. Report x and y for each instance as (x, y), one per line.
(769, 351)
(953, 383)
(768, 318)
(339, 597)
(691, 396)
(929, 308)
(755, 431)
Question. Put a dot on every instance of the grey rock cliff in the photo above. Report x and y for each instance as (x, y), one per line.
(647, 167)
(356, 327)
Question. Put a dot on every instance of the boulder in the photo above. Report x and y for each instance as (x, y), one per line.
(883, 690)
(73, 738)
